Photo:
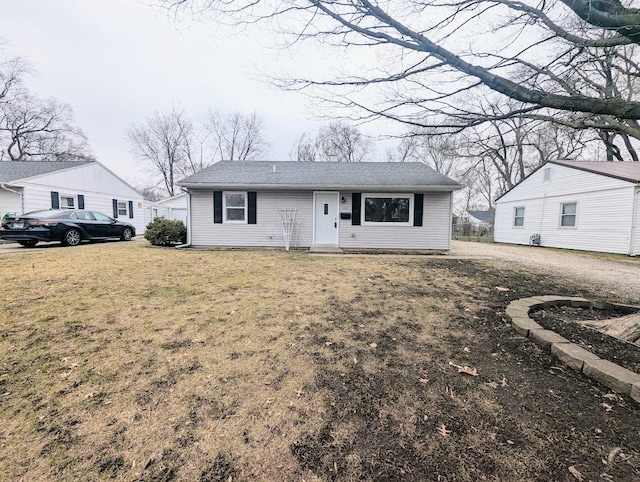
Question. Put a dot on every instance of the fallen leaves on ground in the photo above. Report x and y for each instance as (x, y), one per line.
(576, 473)
(607, 407)
(465, 369)
(443, 430)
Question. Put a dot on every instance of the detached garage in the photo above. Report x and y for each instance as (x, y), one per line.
(590, 206)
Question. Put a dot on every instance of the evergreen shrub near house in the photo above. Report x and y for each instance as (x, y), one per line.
(166, 232)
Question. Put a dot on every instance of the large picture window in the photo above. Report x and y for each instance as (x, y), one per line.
(568, 212)
(387, 208)
(234, 207)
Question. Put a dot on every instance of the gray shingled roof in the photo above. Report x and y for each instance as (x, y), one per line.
(11, 171)
(627, 171)
(320, 175)
(484, 216)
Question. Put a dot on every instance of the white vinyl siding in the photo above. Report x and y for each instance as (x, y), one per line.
(267, 232)
(10, 202)
(603, 214)
(435, 232)
(98, 186)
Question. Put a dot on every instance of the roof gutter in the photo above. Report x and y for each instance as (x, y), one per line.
(312, 187)
(4, 186)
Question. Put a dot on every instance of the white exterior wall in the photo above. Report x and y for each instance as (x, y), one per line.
(604, 211)
(98, 186)
(267, 232)
(10, 202)
(434, 234)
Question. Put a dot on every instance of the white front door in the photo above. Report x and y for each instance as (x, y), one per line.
(326, 218)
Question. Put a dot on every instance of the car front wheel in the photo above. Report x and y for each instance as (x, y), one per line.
(72, 238)
(127, 234)
(30, 243)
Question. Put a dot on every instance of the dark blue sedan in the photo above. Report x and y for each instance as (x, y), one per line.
(69, 226)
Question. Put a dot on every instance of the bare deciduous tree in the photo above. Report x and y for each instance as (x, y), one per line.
(236, 136)
(434, 54)
(32, 128)
(163, 141)
(337, 141)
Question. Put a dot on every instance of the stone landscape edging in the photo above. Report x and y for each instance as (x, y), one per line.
(608, 373)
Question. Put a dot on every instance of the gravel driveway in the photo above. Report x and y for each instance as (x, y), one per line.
(610, 277)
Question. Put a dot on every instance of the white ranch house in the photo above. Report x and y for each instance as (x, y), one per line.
(590, 206)
(33, 185)
(336, 205)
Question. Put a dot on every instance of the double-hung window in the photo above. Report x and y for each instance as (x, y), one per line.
(234, 207)
(387, 208)
(568, 213)
(122, 208)
(67, 202)
(518, 216)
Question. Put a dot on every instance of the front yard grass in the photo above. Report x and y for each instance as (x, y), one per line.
(124, 362)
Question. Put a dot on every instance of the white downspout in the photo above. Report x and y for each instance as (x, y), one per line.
(188, 243)
(634, 221)
(4, 186)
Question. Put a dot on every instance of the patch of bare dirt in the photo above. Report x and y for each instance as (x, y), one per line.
(401, 411)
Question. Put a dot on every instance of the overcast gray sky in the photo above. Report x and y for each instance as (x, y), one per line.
(117, 62)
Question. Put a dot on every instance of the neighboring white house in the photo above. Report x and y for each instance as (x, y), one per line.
(32, 185)
(373, 205)
(174, 208)
(591, 206)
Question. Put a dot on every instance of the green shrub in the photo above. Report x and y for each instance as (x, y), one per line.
(165, 232)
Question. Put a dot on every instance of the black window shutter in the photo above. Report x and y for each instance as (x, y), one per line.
(80, 201)
(130, 209)
(115, 208)
(55, 200)
(217, 207)
(251, 195)
(418, 203)
(356, 201)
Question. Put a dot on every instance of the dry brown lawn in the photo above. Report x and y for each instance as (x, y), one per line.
(123, 362)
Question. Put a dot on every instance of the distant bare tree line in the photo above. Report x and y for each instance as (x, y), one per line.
(32, 128)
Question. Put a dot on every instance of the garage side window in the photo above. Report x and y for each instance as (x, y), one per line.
(67, 202)
(234, 207)
(518, 216)
(568, 212)
(122, 209)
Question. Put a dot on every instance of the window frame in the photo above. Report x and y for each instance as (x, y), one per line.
(383, 195)
(563, 215)
(516, 217)
(67, 196)
(126, 209)
(245, 218)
